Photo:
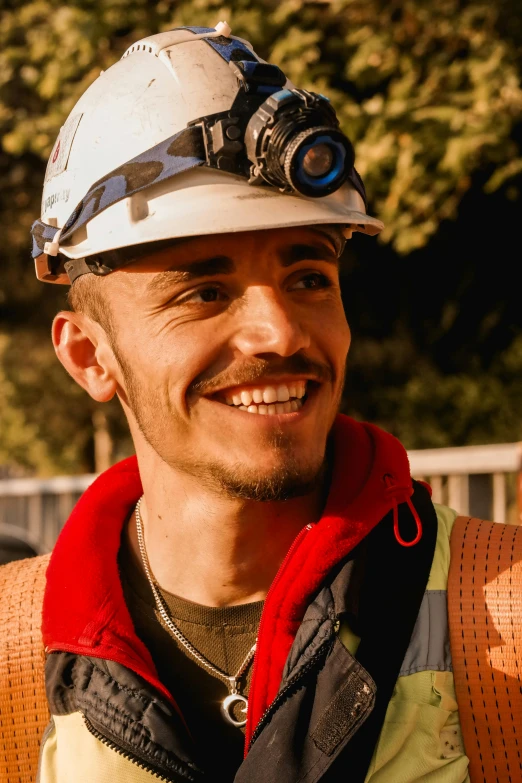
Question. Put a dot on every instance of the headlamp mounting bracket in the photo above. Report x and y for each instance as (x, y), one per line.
(258, 78)
(224, 132)
(222, 135)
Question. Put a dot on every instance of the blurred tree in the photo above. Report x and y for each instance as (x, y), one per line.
(429, 92)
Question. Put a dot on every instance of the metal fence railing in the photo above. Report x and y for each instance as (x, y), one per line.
(484, 481)
(38, 508)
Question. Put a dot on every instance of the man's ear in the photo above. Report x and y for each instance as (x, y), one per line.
(82, 347)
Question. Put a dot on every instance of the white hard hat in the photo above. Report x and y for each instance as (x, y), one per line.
(129, 164)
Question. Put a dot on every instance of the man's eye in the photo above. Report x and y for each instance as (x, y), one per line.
(311, 281)
(206, 295)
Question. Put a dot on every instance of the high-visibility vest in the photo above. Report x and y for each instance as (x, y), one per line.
(24, 712)
(485, 620)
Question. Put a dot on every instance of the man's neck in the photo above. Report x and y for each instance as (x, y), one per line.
(212, 549)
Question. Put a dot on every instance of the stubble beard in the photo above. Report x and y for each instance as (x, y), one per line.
(290, 478)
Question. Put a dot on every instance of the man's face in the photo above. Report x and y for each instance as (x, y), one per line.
(232, 350)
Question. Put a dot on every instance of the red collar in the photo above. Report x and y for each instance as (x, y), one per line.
(84, 608)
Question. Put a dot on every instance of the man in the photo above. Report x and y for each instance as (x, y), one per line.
(260, 594)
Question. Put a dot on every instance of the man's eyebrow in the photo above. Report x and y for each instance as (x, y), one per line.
(223, 265)
(308, 252)
(185, 273)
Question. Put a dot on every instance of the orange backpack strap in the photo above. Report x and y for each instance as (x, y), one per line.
(485, 620)
(24, 712)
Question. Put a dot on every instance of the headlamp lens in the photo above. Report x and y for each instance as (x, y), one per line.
(318, 160)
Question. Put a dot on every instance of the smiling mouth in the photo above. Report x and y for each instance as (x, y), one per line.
(267, 400)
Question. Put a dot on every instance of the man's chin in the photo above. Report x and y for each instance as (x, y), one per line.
(257, 484)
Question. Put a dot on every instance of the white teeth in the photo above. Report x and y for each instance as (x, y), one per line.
(291, 406)
(246, 398)
(262, 400)
(269, 394)
(282, 394)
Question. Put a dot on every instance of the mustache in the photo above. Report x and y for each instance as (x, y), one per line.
(257, 369)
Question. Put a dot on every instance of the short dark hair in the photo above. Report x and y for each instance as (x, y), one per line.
(86, 296)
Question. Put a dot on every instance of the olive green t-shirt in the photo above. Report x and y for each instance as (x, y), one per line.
(223, 635)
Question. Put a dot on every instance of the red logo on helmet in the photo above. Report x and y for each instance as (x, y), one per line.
(56, 152)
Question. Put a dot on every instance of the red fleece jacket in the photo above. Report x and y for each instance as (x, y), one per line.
(84, 609)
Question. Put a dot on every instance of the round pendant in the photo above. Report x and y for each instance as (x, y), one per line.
(227, 706)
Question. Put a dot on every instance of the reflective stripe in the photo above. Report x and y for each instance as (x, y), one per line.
(429, 647)
(175, 155)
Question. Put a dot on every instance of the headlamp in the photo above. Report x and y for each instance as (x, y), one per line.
(286, 138)
(293, 141)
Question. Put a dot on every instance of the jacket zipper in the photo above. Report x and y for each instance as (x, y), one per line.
(125, 753)
(296, 542)
(285, 693)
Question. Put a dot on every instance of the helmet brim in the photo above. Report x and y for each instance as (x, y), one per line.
(203, 202)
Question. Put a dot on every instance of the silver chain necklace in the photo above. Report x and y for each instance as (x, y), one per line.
(232, 682)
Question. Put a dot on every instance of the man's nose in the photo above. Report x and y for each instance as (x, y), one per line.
(268, 323)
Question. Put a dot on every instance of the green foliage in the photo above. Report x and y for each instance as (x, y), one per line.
(429, 91)
(46, 420)
(19, 443)
(433, 410)
(48, 416)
